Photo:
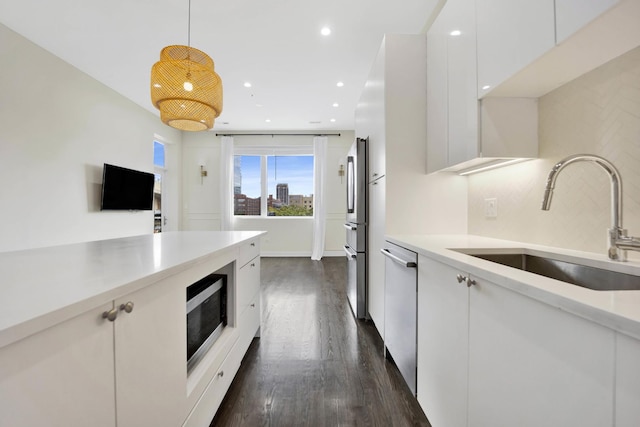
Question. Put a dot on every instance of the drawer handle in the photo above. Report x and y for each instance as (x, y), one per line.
(253, 264)
(461, 278)
(221, 374)
(128, 307)
(253, 244)
(110, 315)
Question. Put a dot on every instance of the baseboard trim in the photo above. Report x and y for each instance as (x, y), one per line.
(269, 254)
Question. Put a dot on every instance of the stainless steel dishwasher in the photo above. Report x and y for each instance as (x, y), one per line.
(401, 310)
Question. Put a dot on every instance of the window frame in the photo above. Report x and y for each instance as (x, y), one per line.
(264, 152)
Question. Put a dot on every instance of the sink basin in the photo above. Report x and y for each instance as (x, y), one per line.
(589, 277)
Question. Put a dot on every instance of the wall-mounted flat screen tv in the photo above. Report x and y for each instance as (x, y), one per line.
(126, 189)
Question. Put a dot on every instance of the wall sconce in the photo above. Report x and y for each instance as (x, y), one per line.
(203, 173)
(340, 169)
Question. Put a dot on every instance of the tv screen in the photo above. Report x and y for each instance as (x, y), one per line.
(126, 189)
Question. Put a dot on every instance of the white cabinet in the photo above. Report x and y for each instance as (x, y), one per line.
(572, 15)
(531, 364)
(375, 289)
(463, 133)
(528, 48)
(488, 356)
(443, 350)
(224, 361)
(627, 411)
(150, 355)
(452, 101)
(131, 369)
(62, 376)
(71, 373)
(392, 114)
(511, 35)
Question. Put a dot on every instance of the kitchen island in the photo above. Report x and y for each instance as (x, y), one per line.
(502, 346)
(65, 361)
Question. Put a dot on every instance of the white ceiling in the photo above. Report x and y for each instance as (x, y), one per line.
(274, 44)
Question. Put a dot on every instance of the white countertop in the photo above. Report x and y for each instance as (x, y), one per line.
(43, 287)
(618, 310)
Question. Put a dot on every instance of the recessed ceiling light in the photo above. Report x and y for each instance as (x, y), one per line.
(339, 84)
(485, 87)
(325, 31)
(333, 120)
(455, 33)
(268, 120)
(335, 104)
(247, 84)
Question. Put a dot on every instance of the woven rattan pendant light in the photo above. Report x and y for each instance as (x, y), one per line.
(185, 87)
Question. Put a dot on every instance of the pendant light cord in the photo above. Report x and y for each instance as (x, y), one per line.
(189, 26)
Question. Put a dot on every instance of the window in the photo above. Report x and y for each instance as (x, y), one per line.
(158, 162)
(273, 185)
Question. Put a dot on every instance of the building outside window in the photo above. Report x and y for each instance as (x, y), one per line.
(273, 185)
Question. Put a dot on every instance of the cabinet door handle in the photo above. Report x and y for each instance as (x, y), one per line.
(253, 305)
(110, 315)
(221, 374)
(253, 244)
(253, 264)
(461, 278)
(470, 282)
(128, 307)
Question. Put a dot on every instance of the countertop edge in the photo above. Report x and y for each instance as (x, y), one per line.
(616, 310)
(24, 328)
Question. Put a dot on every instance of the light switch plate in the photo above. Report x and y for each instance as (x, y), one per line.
(491, 208)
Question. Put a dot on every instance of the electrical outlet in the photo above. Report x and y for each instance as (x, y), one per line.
(491, 208)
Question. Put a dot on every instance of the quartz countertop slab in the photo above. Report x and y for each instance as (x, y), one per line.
(617, 310)
(43, 287)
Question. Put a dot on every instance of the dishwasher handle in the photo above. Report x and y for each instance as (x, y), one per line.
(392, 257)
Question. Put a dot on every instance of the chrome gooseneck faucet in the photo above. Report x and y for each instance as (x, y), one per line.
(619, 242)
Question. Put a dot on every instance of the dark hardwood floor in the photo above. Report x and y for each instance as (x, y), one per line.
(315, 365)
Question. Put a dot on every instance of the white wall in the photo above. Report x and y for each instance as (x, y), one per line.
(57, 128)
(598, 113)
(285, 236)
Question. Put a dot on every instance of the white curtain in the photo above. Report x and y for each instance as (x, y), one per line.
(319, 196)
(226, 184)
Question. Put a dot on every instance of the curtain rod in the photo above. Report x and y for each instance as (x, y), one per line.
(278, 134)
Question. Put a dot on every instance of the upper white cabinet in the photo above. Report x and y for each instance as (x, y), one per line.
(452, 101)
(528, 48)
(463, 132)
(511, 35)
(572, 15)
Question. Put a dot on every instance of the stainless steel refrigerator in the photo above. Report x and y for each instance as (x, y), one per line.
(356, 226)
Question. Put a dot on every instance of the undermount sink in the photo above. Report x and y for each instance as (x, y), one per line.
(589, 277)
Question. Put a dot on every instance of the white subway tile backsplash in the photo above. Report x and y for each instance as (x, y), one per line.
(598, 113)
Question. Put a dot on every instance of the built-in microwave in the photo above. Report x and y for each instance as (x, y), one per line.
(206, 315)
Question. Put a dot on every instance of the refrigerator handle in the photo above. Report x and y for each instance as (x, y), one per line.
(351, 227)
(408, 264)
(350, 254)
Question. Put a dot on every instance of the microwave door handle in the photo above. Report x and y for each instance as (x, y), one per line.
(392, 257)
(351, 227)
